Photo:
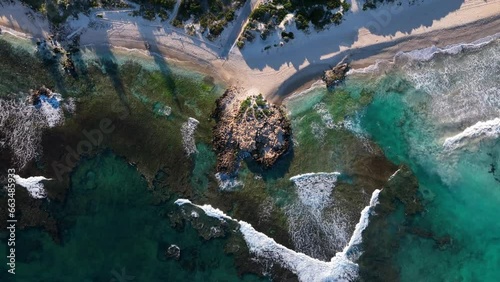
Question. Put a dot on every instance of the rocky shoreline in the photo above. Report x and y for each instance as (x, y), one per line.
(253, 128)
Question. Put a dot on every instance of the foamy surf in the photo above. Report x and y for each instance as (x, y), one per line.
(227, 182)
(314, 189)
(33, 184)
(187, 130)
(53, 116)
(314, 229)
(481, 130)
(425, 54)
(22, 125)
(341, 267)
(353, 249)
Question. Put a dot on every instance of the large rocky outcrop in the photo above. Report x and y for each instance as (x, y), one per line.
(253, 128)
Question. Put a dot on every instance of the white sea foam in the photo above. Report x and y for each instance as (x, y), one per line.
(456, 90)
(353, 124)
(314, 230)
(306, 268)
(481, 130)
(394, 174)
(53, 116)
(427, 54)
(227, 183)
(33, 185)
(353, 248)
(318, 131)
(22, 126)
(314, 189)
(69, 105)
(208, 209)
(326, 117)
(341, 267)
(317, 233)
(187, 130)
(371, 69)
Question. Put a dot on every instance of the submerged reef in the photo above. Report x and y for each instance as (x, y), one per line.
(255, 128)
(399, 196)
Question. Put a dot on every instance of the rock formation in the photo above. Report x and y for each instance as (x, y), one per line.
(335, 76)
(173, 251)
(253, 128)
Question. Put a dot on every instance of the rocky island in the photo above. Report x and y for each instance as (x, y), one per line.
(252, 128)
(335, 75)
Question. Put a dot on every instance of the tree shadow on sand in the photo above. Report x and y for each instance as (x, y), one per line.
(160, 61)
(385, 20)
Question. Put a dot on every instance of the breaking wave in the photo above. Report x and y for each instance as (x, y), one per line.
(425, 54)
(22, 124)
(474, 133)
(33, 185)
(317, 227)
(341, 267)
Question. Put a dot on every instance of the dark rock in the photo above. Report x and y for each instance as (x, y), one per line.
(173, 252)
(252, 128)
(335, 76)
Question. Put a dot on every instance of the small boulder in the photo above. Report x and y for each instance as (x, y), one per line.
(173, 251)
(335, 76)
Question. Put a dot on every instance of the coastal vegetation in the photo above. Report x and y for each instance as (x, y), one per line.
(255, 129)
(57, 11)
(305, 14)
(372, 4)
(150, 9)
(211, 15)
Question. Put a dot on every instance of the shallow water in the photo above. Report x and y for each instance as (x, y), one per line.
(110, 225)
(416, 106)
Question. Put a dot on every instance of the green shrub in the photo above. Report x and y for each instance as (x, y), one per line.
(336, 18)
(281, 14)
(263, 12)
(301, 22)
(333, 4)
(287, 34)
(345, 6)
(229, 16)
(260, 101)
(316, 15)
(216, 29)
(177, 23)
(245, 105)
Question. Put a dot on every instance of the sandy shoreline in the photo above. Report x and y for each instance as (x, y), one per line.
(362, 39)
(366, 57)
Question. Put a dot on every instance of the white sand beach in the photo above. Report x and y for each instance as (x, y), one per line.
(361, 39)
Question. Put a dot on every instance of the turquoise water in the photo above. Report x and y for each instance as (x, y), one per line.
(460, 192)
(109, 225)
(409, 109)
